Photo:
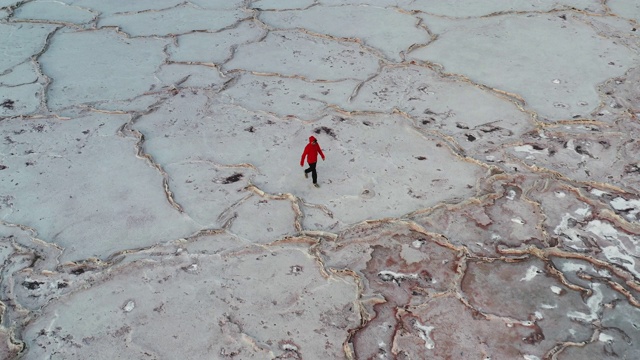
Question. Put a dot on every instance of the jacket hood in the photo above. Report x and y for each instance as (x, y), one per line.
(312, 139)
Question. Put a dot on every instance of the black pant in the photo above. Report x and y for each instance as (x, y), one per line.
(314, 174)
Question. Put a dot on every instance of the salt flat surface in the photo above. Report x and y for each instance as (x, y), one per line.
(479, 198)
(569, 59)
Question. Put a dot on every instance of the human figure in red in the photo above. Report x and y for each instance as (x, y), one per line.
(311, 152)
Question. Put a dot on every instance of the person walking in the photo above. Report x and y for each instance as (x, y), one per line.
(311, 152)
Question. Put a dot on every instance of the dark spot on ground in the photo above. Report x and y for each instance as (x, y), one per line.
(581, 151)
(421, 158)
(250, 129)
(233, 178)
(77, 271)
(8, 104)
(489, 129)
(470, 137)
(537, 147)
(32, 285)
(632, 168)
(534, 338)
(62, 285)
(563, 17)
(2, 167)
(367, 123)
(462, 126)
(326, 130)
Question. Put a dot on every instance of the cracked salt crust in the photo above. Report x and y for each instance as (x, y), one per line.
(213, 47)
(150, 181)
(356, 22)
(501, 69)
(54, 12)
(82, 64)
(316, 58)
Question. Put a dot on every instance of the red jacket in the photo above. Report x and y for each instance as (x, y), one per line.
(311, 152)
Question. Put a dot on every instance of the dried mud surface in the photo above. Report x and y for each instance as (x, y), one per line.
(480, 197)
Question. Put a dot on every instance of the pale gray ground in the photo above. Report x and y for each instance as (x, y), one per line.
(479, 200)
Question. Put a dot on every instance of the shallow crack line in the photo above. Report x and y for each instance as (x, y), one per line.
(234, 47)
(368, 48)
(572, 122)
(315, 3)
(455, 287)
(439, 239)
(363, 45)
(564, 8)
(164, 93)
(218, 165)
(199, 63)
(125, 13)
(319, 234)
(127, 130)
(320, 207)
(553, 353)
(46, 22)
(18, 85)
(102, 111)
(295, 203)
(226, 216)
(204, 232)
(12, 8)
(278, 75)
(476, 200)
(32, 233)
(612, 284)
(419, 25)
(563, 279)
(34, 117)
(35, 59)
(541, 215)
(356, 90)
